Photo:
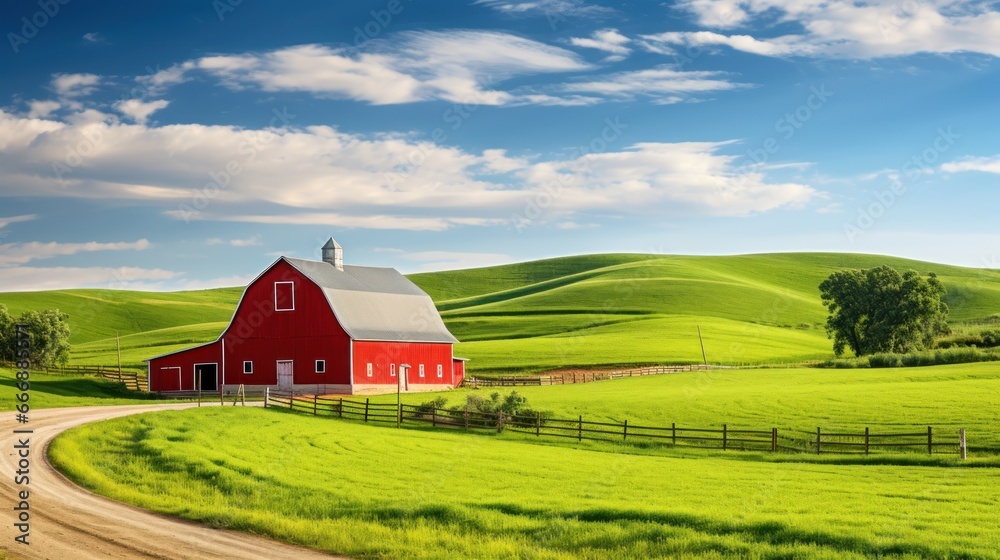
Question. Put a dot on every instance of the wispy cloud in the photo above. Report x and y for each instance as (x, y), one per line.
(75, 85)
(21, 253)
(981, 164)
(139, 110)
(252, 241)
(450, 260)
(662, 84)
(846, 29)
(607, 40)
(94, 38)
(4, 222)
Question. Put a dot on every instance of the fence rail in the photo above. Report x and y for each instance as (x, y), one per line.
(579, 429)
(579, 377)
(134, 381)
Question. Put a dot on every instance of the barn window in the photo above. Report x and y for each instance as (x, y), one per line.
(248, 367)
(421, 370)
(440, 370)
(392, 370)
(320, 366)
(284, 296)
(369, 369)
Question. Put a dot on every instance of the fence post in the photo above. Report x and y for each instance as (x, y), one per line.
(866, 440)
(930, 441)
(818, 435)
(315, 405)
(725, 437)
(774, 440)
(673, 433)
(962, 449)
(538, 424)
(340, 408)
(434, 417)
(500, 422)
(625, 430)
(466, 417)
(579, 433)
(267, 393)
(366, 410)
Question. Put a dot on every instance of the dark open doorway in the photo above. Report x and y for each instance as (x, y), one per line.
(207, 375)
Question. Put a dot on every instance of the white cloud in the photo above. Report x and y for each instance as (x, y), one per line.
(457, 66)
(252, 241)
(75, 85)
(450, 260)
(21, 253)
(576, 225)
(158, 82)
(981, 164)
(554, 10)
(607, 40)
(33, 279)
(94, 37)
(40, 109)
(321, 176)
(4, 222)
(139, 110)
(847, 29)
(662, 84)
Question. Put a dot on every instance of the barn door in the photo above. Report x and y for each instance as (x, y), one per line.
(285, 375)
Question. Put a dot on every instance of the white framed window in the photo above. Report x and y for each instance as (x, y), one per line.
(320, 366)
(368, 369)
(440, 370)
(284, 296)
(421, 370)
(392, 370)
(247, 367)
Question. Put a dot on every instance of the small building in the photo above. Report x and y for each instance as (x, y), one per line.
(321, 327)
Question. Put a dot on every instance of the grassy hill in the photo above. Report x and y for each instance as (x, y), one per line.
(591, 310)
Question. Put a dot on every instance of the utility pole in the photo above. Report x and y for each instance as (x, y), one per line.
(118, 343)
(704, 358)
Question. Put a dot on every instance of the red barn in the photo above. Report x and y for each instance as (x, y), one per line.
(321, 327)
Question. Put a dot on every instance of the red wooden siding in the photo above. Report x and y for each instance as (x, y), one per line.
(459, 369)
(310, 332)
(384, 354)
(163, 372)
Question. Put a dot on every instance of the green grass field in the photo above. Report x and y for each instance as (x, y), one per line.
(594, 310)
(52, 391)
(792, 400)
(371, 492)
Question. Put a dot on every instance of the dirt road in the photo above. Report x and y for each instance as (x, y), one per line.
(70, 523)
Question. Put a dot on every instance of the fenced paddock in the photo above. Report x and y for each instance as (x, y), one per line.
(133, 380)
(764, 440)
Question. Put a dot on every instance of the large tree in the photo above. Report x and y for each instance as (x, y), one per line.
(881, 310)
(49, 334)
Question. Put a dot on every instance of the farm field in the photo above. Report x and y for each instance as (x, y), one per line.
(800, 399)
(592, 310)
(51, 391)
(338, 486)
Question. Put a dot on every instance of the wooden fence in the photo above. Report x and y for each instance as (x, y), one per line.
(579, 377)
(539, 425)
(134, 381)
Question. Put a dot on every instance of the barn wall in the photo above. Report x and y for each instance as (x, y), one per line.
(263, 335)
(163, 372)
(459, 372)
(382, 354)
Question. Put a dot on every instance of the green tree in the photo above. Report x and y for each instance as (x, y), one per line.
(49, 334)
(880, 310)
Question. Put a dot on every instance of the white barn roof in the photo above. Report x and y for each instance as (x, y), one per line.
(373, 303)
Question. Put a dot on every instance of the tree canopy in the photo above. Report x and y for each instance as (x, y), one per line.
(881, 310)
(49, 334)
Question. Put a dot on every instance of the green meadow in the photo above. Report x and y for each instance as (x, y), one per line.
(371, 492)
(592, 310)
(53, 391)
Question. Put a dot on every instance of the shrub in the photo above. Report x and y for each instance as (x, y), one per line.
(513, 406)
(429, 406)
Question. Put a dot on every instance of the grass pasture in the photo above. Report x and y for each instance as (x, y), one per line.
(52, 391)
(372, 492)
(604, 310)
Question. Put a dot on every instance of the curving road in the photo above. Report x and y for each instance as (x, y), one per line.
(68, 522)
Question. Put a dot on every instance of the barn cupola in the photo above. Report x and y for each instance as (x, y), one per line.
(333, 253)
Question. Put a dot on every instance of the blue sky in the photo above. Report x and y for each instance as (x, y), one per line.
(185, 145)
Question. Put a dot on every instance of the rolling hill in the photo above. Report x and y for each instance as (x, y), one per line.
(591, 310)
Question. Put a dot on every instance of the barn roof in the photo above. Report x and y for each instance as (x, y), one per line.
(374, 303)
